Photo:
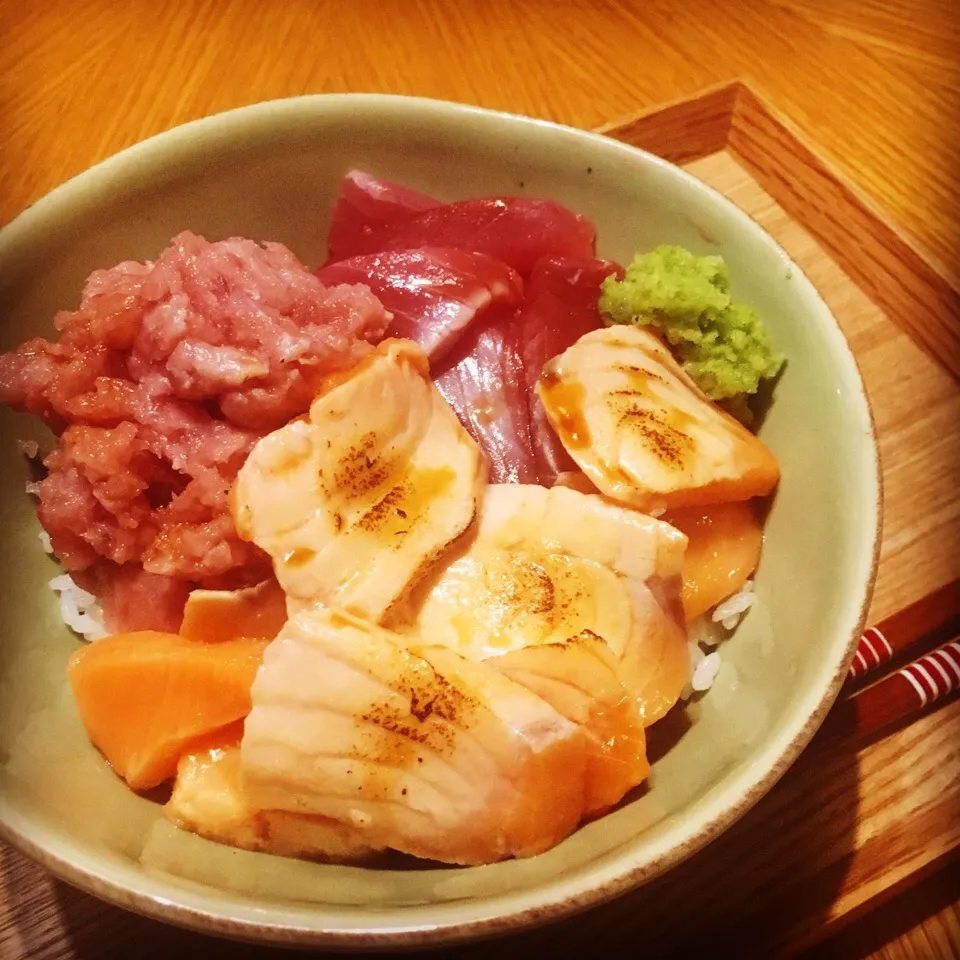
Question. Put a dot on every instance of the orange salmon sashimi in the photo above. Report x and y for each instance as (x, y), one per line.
(722, 552)
(145, 698)
(579, 679)
(256, 612)
(208, 800)
(641, 429)
(421, 749)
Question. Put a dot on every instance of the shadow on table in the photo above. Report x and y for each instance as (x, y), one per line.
(869, 934)
(762, 889)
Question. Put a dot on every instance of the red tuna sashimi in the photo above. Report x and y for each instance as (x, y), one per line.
(574, 281)
(560, 307)
(433, 293)
(517, 230)
(484, 383)
(365, 202)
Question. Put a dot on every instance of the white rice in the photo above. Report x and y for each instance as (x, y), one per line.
(29, 448)
(706, 633)
(705, 672)
(729, 612)
(45, 541)
(78, 608)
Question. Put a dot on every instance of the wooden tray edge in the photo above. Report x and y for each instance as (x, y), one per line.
(908, 283)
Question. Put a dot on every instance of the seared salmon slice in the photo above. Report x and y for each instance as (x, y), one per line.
(354, 502)
(580, 679)
(417, 747)
(547, 564)
(641, 429)
(207, 799)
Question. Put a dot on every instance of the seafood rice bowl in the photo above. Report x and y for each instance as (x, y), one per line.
(413, 530)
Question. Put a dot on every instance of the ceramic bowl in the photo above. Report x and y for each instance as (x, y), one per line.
(271, 171)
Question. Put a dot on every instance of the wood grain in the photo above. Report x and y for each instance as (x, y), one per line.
(890, 27)
(687, 129)
(872, 83)
(921, 923)
(901, 280)
(79, 79)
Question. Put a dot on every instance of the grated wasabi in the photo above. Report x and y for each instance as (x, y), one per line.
(721, 344)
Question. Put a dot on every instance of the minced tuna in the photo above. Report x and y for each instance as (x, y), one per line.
(158, 387)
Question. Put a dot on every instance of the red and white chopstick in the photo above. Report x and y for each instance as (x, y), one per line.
(935, 675)
(898, 633)
(927, 680)
(873, 650)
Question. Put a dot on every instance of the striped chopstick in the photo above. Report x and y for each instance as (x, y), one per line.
(928, 679)
(873, 650)
(901, 631)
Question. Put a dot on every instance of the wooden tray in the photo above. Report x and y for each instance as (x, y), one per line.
(851, 823)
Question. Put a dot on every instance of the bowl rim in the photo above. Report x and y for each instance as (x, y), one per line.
(555, 901)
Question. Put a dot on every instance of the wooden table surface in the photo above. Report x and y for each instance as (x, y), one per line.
(873, 82)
